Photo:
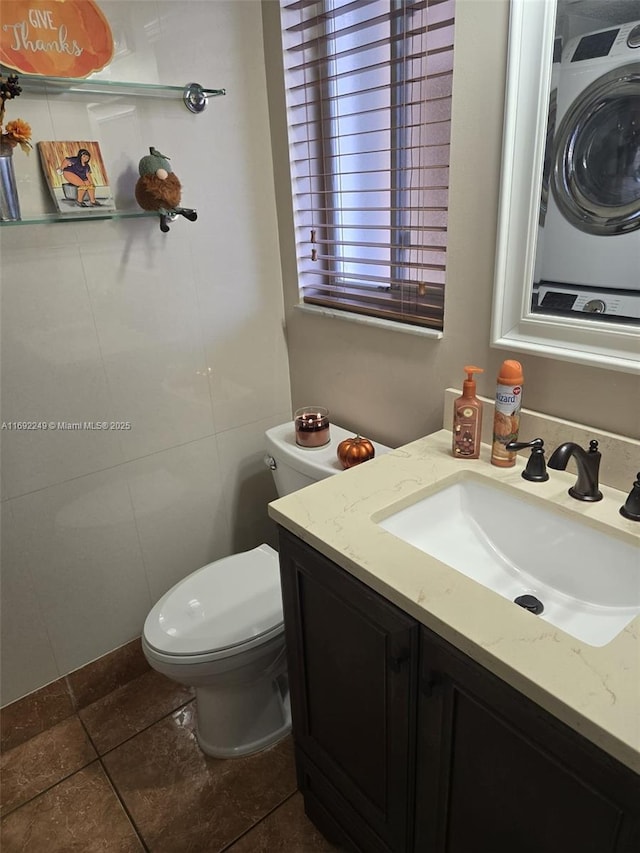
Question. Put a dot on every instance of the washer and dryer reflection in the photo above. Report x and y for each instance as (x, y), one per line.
(591, 233)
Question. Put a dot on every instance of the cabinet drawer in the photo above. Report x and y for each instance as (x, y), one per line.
(338, 821)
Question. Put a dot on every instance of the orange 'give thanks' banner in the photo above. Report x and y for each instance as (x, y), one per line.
(56, 38)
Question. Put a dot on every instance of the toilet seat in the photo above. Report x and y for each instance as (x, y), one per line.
(222, 609)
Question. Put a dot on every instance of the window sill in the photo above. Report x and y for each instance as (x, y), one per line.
(363, 320)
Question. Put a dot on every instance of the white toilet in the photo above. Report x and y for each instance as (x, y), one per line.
(221, 629)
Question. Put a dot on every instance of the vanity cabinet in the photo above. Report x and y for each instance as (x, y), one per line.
(495, 772)
(353, 665)
(405, 744)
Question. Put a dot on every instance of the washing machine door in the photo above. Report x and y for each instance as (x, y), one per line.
(596, 168)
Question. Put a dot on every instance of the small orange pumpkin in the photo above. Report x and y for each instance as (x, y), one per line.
(353, 451)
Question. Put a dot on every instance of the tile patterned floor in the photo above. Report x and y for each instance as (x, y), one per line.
(125, 774)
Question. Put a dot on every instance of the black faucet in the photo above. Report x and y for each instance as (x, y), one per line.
(535, 470)
(588, 464)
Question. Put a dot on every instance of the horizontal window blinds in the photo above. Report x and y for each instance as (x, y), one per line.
(369, 111)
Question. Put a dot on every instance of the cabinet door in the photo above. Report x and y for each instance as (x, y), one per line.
(496, 773)
(353, 668)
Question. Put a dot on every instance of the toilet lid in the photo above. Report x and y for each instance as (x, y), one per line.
(225, 603)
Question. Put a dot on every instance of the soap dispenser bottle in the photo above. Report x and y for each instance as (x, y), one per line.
(467, 419)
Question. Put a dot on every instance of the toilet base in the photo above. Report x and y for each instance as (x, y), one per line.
(239, 720)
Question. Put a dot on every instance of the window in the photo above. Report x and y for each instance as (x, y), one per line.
(369, 110)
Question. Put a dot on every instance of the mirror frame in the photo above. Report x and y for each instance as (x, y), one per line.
(514, 326)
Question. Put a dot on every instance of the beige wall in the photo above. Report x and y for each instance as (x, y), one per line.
(389, 385)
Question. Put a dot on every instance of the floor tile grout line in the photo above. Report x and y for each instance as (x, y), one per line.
(112, 782)
(135, 734)
(8, 748)
(229, 846)
(98, 756)
(65, 682)
(88, 733)
(125, 808)
(50, 787)
(75, 712)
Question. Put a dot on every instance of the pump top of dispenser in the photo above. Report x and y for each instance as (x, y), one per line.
(510, 373)
(469, 384)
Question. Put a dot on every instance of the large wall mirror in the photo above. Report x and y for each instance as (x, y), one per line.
(568, 254)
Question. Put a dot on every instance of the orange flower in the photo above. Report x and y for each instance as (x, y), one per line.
(19, 129)
(18, 132)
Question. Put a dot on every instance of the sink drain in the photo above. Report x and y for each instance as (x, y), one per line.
(530, 603)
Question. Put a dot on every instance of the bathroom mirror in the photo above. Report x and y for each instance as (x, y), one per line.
(560, 280)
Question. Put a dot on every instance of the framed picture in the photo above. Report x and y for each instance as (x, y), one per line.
(77, 177)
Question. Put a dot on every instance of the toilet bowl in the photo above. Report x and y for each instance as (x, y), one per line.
(220, 630)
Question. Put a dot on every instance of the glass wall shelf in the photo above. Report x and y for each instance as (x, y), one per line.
(93, 86)
(193, 95)
(41, 218)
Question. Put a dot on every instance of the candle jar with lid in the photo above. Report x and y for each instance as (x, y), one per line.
(312, 426)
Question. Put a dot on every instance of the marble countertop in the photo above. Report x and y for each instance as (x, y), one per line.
(595, 690)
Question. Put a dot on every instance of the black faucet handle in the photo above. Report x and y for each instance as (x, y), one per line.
(536, 469)
(522, 445)
(631, 508)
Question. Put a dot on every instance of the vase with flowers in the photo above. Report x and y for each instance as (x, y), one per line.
(16, 132)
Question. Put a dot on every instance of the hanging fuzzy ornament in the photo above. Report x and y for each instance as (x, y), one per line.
(159, 189)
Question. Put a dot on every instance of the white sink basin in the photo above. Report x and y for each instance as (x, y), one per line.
(587, 579)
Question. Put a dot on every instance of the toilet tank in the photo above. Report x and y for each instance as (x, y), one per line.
(295, 467)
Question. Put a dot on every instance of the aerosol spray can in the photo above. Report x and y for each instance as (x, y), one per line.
(506, 419)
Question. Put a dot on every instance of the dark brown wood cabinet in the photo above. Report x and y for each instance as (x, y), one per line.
(405, 744)
(353, 661)
(501, 774)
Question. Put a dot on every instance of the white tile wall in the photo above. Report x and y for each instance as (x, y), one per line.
(52, 370)
(180, 334)
(27, 654)
(146, 319)
(179, 505)
(79, 542)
